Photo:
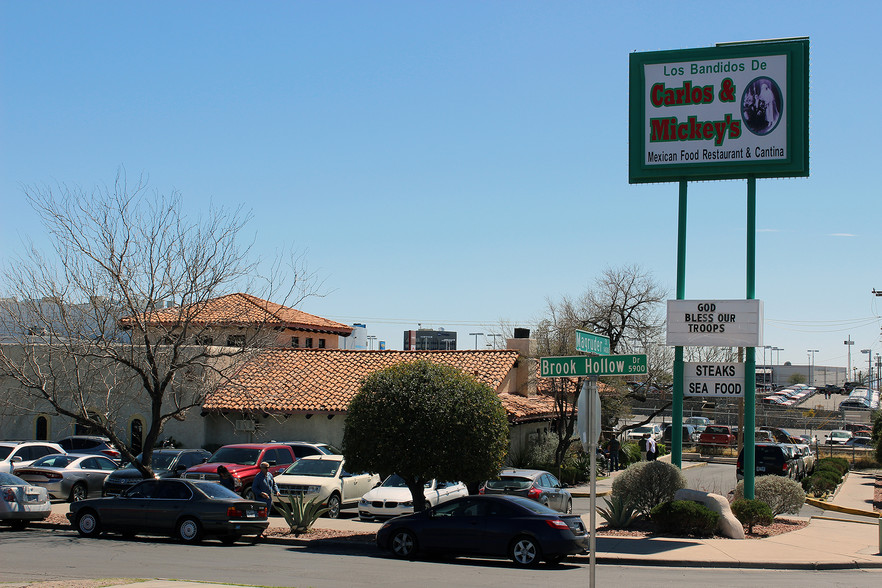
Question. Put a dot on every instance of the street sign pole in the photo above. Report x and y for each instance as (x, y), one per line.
(589, 434)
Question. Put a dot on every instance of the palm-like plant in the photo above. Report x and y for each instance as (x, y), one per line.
(617, 514)
(301, 514)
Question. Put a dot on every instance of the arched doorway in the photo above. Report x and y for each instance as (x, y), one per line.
(136, 435)
(42, 428)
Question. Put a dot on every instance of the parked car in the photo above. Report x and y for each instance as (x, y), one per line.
(808, 439)
(325, 477)
(69, 477)
(22, 503)
(769, 459)
(690, 434)
(186, 509)
(654, 431)
(537, 485)
(764, 436)
(393, 497)
(808, 459)
(780, 435)
(837, 437)
(16, 454)
(860, 442)
(797, 465)
(304, 448)
(243, 461)
(717, 435)
(502, 526)
(90, 444)
(165, 463)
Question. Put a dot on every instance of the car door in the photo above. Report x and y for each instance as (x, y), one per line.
(552, 488)
(354, 486)
(456, 526)
(93, 471)
(128, 510)
(170, 499)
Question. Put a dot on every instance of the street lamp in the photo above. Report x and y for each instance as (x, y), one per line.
(766, 370)
(869, 367)
(849, 342)
(495, 336)
(476, 338)
(425, 339)
(811, 361)
(447, 343)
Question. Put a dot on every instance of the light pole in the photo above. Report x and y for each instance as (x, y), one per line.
(447, 343)
(766, 370)
(878, 371)
(476, 338)
(495, 336)
(848, 342)
(371, 339)
(425, 339)
(811, 361)
(869, 367)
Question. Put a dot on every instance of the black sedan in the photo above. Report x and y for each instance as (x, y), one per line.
(496, 525)
(185, 509)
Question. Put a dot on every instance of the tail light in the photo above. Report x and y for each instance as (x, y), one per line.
(262, 512)
(8, 495)
(481, 489)
(784, 467)
(235, 513)
(534, 493)
(557, 524)
(111, 453)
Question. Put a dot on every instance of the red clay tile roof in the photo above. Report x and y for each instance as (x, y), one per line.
(241, 309)
(285, 380)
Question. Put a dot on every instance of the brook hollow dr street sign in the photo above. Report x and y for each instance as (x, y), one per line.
(713, 379)
(591, 343)
(609, 365)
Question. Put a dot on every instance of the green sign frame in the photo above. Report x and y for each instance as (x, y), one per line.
(704, 114)
(587, 342)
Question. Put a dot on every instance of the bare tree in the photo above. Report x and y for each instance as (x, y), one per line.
(110, 317)
(625, 305)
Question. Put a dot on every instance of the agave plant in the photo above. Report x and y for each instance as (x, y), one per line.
(301, 514)
(617, 514)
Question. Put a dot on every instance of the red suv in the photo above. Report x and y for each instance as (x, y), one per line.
(243, 461)
(717, 435)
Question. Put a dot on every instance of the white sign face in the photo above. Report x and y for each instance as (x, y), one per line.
(715, 323)
(713, 379)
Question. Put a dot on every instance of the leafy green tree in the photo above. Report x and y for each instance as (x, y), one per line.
(422, 420)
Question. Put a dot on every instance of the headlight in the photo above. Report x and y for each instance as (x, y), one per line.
(408, 503)
(363, 502)
(313, 489)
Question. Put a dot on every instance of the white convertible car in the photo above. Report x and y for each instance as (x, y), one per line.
(394, 498)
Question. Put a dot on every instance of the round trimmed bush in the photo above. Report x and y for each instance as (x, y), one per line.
(645, 485)
(752, 512)
(685, 517)
(783, 495)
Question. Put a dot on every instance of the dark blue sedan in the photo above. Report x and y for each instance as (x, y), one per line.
(495, 525)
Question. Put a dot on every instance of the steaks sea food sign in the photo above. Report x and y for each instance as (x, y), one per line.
(720, 112)
(713, 379)
(715, 323)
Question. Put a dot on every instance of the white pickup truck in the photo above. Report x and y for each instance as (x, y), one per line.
(326, 477)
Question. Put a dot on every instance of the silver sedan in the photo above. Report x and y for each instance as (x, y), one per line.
(70, 477)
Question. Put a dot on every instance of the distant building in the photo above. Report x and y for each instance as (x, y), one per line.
(429, 340)
(357, 340)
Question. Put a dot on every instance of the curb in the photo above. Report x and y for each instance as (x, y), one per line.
(745, 565)
(843, 509)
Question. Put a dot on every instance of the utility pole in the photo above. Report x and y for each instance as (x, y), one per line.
(850, 343)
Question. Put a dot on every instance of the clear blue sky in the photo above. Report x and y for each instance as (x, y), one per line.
(452, 163)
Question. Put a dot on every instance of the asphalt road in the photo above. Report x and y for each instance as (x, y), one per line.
(38, 555)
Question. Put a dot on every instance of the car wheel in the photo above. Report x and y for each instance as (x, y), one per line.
(248, 494)
(525, 552)
(77, 493)
(403, 544)
(333, 506)
(88, 524)
(569, 509)
(189, 530)
(230, 539)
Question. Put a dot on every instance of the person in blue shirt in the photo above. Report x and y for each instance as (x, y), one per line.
(265, 487)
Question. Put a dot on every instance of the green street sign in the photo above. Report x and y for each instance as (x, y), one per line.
(591, 343)
(580, 365)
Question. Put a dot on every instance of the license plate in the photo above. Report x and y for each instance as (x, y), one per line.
(33, 497)
(251, 513)
(760, 468)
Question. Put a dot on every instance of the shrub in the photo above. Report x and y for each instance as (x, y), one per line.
(783, 495)
(299, 513)
(645, 485)
(819, 483)
(630, 453)
(686, 517)
(838, 463)
(617, 514)
(534, 454)
(752, 512)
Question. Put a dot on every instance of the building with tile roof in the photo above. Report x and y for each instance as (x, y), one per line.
(240, 319)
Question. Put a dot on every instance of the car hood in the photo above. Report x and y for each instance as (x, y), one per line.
(305, 480)
(396, 494)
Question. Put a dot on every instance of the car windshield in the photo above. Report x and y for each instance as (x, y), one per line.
(161, 460)
(10, 480)
(712, 430)
(215, 490)
(239, 455)
(329, 450)
(843, 434)
(642, 430)
(5, 451)
(54, 461)
(510, 483)
(322, 468)
(396, 481)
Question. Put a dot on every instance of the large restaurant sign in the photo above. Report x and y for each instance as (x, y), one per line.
(730, 111)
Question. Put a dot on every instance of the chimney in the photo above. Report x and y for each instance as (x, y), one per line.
(526, 372)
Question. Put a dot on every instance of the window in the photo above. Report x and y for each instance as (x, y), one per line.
(203, 340)
(321, 343)
(295, 342)
(42, 433)
(236, 341)
(308, 343)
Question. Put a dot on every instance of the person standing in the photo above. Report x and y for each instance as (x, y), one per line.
(226, 478)
(612, 448)
(644, 444)
(265, 487)
(651, 448)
